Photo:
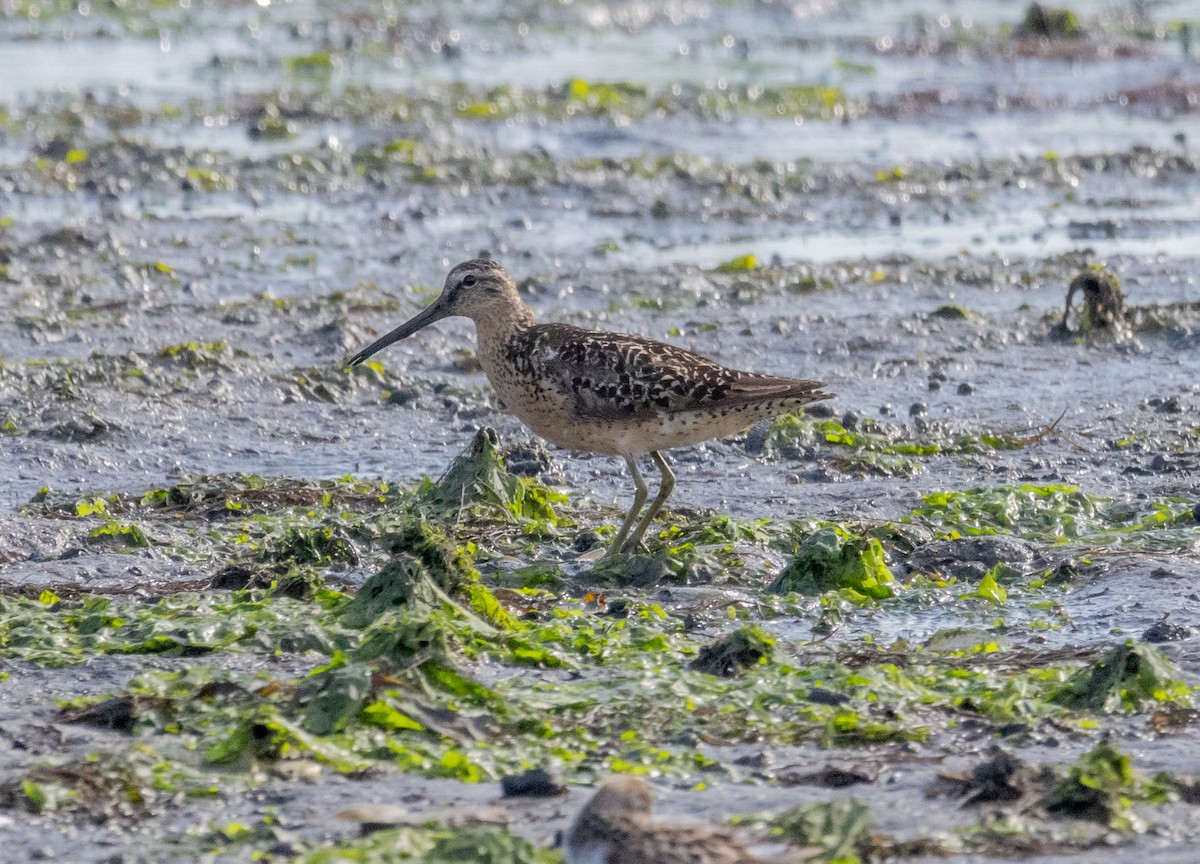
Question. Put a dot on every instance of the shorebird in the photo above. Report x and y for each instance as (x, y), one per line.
(603, 393)
(615, 827)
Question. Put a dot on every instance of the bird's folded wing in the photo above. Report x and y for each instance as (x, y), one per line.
(758, 388)
(625, 378)
(684, 844)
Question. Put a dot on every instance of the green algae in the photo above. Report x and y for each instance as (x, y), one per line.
(631, 100)
(831, 559)
(619, 96)
(72, 631)
(433, 844)
(1046, 22)
(395, 667)
(391, 683)
(720, 548)
(281, 529)
(950, 312)
(835, 831)
(200, 355)
(1103, 785)
(319, 545)
(449, 565)
(478, 484)
(1133, 677)
(648, 688)
(879, 448)
(318, 64)
(119, 534)
(730, 655)
(759, 184)
(1025, 813)
(740, 264)
(1052, 512)
(1027, 805)
(989, 588)
(1061, 513)
(124, 786)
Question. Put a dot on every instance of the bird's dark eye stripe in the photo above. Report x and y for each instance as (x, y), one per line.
(468, 280)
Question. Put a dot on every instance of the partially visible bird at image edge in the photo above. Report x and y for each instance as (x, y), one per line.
(615, 827)
(599, 392)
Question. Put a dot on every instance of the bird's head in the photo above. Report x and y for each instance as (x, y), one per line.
(623, 796)
(477, 289)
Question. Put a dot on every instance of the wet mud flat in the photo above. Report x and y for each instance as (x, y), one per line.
(948, 616)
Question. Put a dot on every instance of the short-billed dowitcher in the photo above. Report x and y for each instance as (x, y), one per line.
(615, 827)
(601, 392)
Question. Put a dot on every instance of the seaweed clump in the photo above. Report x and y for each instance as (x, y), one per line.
(833, 560)
(404, 583)
(1102, 308)
(1128, 678)
(448, 565)
(1045, 22)
(730, 655)
(1097, 789)
(479, 485)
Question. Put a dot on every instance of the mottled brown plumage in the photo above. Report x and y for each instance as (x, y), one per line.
(602, 392)
(616, 827)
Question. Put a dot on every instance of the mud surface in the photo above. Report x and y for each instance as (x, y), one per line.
(204, 209)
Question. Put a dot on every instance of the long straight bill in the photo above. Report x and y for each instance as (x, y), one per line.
(436, 312)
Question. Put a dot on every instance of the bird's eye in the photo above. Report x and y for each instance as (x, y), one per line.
(468, 281)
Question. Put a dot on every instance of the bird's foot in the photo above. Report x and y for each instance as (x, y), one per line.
(633, 547)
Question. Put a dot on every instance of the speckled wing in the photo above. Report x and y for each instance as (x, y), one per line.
(678, 844)
(613, 377)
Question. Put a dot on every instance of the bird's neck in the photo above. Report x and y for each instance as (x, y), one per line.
(501, 324)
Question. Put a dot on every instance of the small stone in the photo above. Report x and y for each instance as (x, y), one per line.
(233, 577)
(831, 777)
(821, 696)
(618, 608)
(530, 459)
(1064, 573)
(402, 396)
(1164, 631)
(966, 388)
(917, 409)
(756, 438)
(759, 760)
(534, 783)
(850, 420)
(585, 541)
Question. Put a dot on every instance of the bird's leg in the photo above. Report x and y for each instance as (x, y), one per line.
(639, 498)
(664, 492)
